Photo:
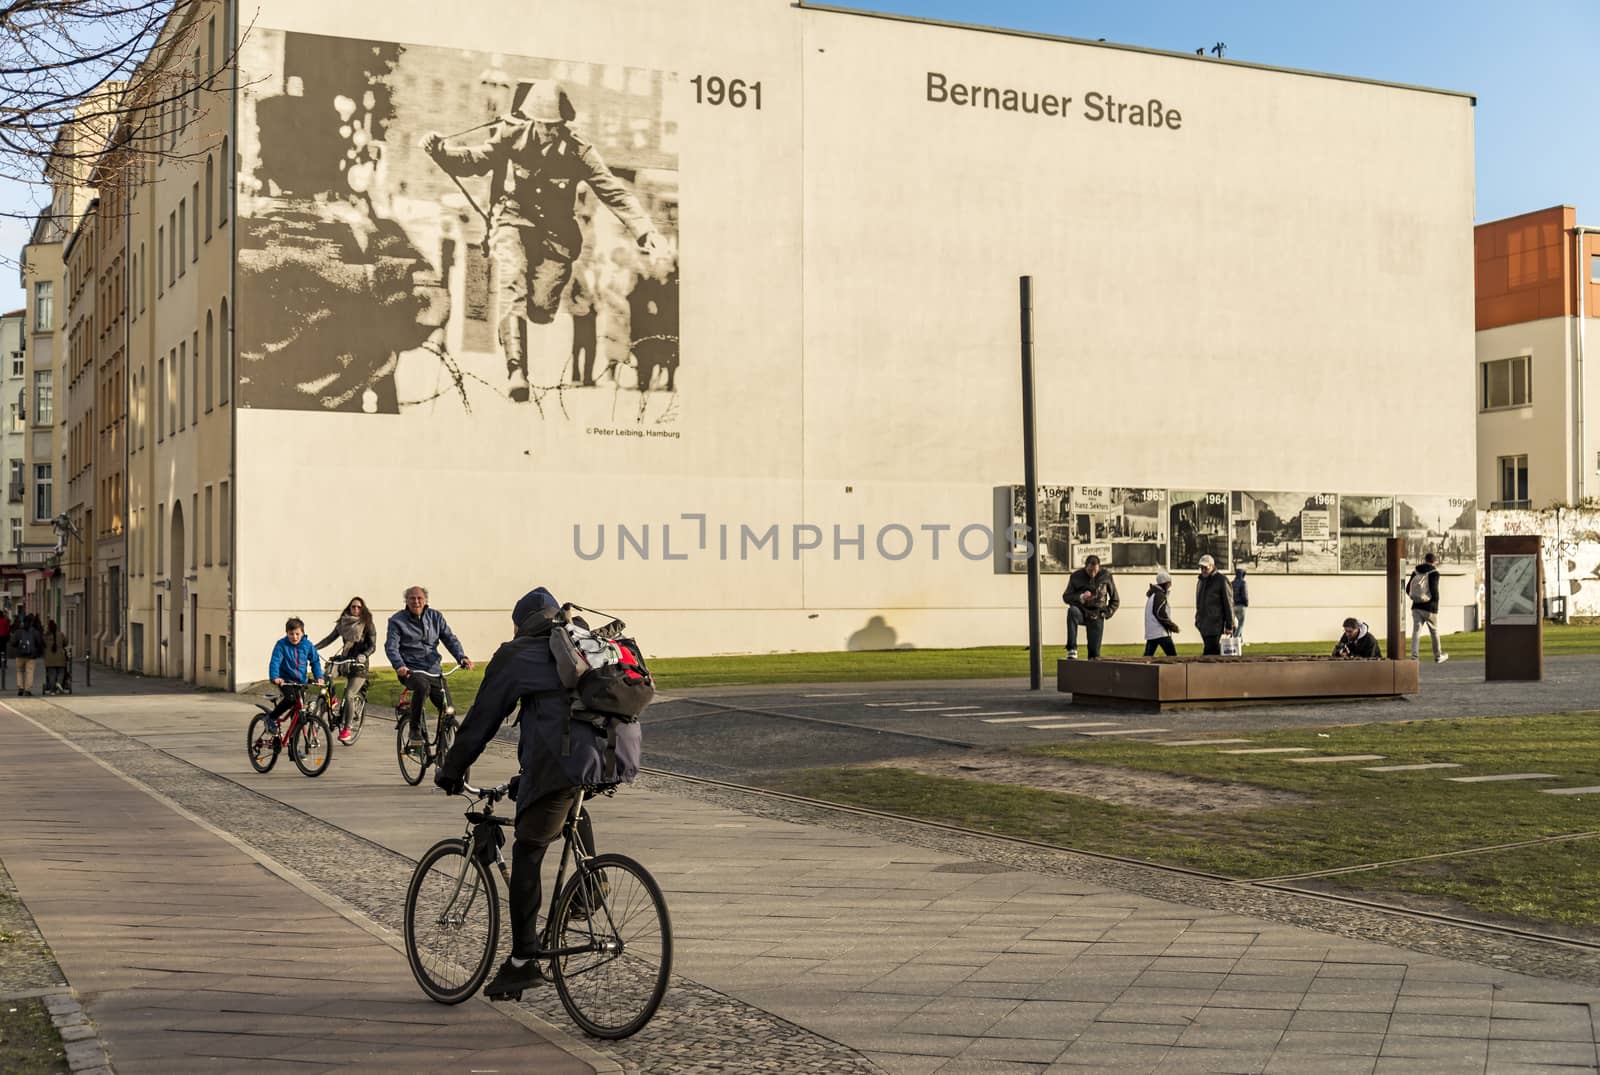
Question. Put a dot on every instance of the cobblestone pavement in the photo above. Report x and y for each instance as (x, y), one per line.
(926, 950)
(27, 968)
(696, 1030)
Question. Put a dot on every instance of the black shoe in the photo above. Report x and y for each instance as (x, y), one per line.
(509, 981)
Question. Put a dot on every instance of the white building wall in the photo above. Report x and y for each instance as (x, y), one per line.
(1246, 302)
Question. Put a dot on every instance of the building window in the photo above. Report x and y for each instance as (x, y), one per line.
(194, 217)
(161, 261)
(1594, 268)
(44, 305)
(161, 405)
(19, 364)
(1508, 382)
(180, 367)
(43, 507)
(19, 414)
(211, 508)
(172, 248)
(44, 401)
(16, 533)
(224, 357)
(222, 654)
(1513, 481)
(211, 46)
(183, 234)
(207, 652)
(225, 191)
(211, 184)
(161, 537)
(224, 524)
(210, 356)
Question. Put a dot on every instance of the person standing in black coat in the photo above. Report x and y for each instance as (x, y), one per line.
(1091, 598)
(1213, 607)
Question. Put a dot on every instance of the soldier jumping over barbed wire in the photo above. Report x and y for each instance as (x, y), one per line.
(535, 162)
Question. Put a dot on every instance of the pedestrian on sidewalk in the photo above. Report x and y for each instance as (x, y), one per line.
(1241, 602)
(55, 659)
(5, 646)
(1158, 623)
(1423, 590)
(1091, 598)
(1213, 607)
(27, 643)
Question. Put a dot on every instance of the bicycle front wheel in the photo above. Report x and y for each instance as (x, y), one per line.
(262, 745)
(613, 911)
(413, 759)
(312, 746)
(452, 922)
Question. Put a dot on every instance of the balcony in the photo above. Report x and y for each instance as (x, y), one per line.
(15, 494)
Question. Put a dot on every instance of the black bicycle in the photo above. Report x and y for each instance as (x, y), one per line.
(607, 941)
(415, 755)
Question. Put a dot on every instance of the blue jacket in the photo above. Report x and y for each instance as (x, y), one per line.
(289, 662)
(413, 642)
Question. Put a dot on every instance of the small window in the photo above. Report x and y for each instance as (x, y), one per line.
(1507, 382)
(44, 306)
(1594, 268)
(43, 505)
(1513, 471)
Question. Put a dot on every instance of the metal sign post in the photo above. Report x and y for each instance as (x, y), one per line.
(1030, 489)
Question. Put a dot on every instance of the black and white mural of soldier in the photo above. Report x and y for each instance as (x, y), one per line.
(535, 161)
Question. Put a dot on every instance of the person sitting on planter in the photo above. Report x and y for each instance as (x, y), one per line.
(1357, 643)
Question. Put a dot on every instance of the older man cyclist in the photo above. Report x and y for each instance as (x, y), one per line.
(412, 646)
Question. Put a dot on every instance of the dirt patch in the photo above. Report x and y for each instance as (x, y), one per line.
(1125, 787)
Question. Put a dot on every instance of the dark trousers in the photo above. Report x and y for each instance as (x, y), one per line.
(583, 348)
(288, 695)
(1093, 628)
(1213, 647)
(538, 827)
(424, 686)
(1164, 644)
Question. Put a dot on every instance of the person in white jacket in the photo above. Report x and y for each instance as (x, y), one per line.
(1159, 626)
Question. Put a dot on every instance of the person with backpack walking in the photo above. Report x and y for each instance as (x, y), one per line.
(1423, 590)
(1091, 598)
(1213, 607)
(28, 643)
(558, 755)
(1159, 626)
(55, 659)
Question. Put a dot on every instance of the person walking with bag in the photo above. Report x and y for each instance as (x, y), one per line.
(55, 659)
(1158, 623)
(27, 643)
(1213, 607)
(1423, 590)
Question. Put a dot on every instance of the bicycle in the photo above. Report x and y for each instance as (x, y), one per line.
(607, 939)
(355, 704)
(417, 756)
(309, 738)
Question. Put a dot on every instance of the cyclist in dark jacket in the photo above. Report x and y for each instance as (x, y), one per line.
(522, 676)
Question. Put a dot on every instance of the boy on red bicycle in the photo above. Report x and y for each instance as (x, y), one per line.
(295, 662)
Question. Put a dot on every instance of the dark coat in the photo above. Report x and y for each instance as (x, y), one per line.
(1213, 605)
(522, 676)
(1241, 592)
(413, 641)
(1364, 648)
(1105, 602)
(1433, 588)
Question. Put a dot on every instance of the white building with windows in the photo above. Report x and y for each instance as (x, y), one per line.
(13, 442)
(1538, 322)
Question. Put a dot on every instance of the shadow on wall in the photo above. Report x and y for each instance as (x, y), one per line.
(877, 634)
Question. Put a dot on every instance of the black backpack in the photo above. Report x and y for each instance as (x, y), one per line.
(27, 644)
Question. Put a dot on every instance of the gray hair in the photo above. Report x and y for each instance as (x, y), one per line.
(407, 594)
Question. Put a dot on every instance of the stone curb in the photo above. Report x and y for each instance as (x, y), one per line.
(86, 1053)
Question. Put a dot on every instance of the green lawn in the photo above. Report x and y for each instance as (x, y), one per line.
(29, 1042)
(989, 662)
(1347, 817)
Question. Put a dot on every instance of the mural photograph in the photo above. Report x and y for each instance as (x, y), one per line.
(1055, 528)
(1198, 526)
(1365, 525)
(1126, 528)
(425, 228)
(1446, 526)
(1286, 533)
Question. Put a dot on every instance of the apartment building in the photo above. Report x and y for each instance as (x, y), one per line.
(13, 461)
(75, 380)
(1538, 339)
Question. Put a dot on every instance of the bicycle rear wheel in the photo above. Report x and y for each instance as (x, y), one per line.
(413, 759)
(358, 713)
(452, 922)
(312, 746)
(262, 745)
(613, 908)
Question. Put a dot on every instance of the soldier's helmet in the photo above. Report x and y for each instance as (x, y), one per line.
(543, 101)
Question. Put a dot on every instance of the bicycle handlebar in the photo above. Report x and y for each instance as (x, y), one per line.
(492, 794)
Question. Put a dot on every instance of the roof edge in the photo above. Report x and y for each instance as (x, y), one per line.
(1035, 35)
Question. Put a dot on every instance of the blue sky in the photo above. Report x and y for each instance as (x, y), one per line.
(1534, 66)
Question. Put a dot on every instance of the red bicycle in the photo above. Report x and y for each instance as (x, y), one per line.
(307, 734)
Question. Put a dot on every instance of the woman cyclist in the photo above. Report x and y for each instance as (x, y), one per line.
(357, 638)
